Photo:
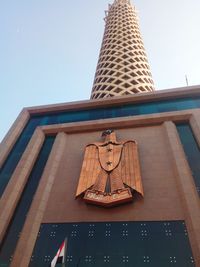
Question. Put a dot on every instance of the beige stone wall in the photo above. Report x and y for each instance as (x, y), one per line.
(169, 189)
(157, 175)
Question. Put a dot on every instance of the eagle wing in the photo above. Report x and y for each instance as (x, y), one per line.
(130, 167)
(90, 169)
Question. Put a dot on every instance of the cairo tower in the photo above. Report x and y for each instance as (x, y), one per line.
(123, 67)
(113, 181)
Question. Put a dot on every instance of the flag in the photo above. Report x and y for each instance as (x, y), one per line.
(60, 255)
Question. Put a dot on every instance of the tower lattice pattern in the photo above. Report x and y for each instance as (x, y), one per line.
(123, 67)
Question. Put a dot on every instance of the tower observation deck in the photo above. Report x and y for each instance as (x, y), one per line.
(122, 67)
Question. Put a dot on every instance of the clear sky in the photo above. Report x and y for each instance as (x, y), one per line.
(49, 48)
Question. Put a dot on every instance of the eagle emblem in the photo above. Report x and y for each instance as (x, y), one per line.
(110, 172)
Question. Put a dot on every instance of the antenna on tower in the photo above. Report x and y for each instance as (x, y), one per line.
(186, 79)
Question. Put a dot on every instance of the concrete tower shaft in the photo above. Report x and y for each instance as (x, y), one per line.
(122, 67)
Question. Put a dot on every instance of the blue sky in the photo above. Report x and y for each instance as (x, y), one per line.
(49, 48)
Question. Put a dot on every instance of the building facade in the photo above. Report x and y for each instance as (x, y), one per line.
(41, 159)
(40, 164)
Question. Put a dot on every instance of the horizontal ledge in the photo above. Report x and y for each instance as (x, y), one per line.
(122, 122)
(189, 91)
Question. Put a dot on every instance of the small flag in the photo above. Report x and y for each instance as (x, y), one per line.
(60, 255)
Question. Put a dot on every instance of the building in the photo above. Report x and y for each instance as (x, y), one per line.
(40, 164)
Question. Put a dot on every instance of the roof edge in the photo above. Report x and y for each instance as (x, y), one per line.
(189, 91)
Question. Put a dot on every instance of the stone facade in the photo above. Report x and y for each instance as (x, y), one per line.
(170, 193)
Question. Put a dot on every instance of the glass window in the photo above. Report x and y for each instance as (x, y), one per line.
(192, 151)
(12, 235)
(115, 244)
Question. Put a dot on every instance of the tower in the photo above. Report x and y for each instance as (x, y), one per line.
(64, 167)
(122, 67)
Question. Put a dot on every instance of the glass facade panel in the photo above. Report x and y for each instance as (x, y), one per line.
(115, 244)
(192, 151)
(8, 246)
(11, 162)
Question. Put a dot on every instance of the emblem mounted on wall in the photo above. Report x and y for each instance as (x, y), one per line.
(110, 172)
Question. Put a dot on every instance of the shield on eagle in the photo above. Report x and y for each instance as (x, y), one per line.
(110, 172)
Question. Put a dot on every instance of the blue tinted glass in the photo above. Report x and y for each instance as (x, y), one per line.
(122, 110)
(11, 162)
(192, 151)
(115, 244)
(10, 241)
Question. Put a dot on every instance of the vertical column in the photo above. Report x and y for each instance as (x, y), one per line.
(14, 189)
(195, 124)
(31, 228)
(186, 187)
(11, 137)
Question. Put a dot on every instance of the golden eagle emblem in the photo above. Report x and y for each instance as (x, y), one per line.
(110, 172)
